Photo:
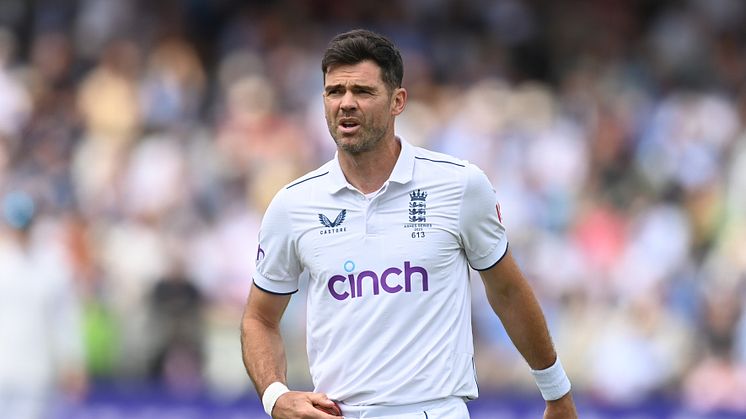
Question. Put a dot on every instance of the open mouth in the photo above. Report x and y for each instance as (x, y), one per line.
(348, 126)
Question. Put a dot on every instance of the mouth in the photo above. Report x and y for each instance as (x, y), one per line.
(348, 126)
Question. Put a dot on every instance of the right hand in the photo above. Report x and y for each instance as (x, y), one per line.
(302, 405)
(562, 408)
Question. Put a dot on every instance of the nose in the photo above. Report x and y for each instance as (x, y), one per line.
(348, 102)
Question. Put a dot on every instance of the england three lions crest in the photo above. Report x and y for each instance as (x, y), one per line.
(417, 206)
(417, 213)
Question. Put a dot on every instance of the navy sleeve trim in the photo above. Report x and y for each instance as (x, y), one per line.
(274, 293)
(305, 180)
(440, 161)
(498, 261)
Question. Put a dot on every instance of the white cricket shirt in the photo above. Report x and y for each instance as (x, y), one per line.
(389, 302)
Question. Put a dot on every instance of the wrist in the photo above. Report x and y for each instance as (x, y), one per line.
(271, 394)
(553, 382)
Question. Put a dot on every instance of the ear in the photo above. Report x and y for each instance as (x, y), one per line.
(399, 101)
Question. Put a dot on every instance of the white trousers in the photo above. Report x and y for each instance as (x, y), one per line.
(447, 408)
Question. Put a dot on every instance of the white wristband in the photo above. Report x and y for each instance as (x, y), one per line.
(271, 394)
(552, 382)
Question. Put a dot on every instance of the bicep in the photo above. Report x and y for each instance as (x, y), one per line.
(265, 306)
(503, 280)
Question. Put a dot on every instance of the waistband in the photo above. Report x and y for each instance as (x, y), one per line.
(373, 411)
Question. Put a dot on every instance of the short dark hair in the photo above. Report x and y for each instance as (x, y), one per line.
(359, 45)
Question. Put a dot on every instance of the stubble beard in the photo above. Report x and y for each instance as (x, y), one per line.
(368, 139)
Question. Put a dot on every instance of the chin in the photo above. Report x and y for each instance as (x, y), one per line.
(351, 145)
(357, 145)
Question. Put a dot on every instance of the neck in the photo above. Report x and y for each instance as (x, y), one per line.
(368, 171)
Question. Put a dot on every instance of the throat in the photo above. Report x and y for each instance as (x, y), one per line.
(368, 172)
(367, 176)
(370, 184)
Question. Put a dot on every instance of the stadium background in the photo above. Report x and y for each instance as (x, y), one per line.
(152, 134)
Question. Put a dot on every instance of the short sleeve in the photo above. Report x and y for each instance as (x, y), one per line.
(277, 264)
(482, 232)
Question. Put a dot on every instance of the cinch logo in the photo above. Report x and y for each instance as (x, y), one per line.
(352, 286)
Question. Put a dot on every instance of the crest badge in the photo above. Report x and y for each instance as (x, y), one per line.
(417, 213)
(417, 206)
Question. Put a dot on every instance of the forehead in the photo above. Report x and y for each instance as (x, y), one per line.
(365, 72)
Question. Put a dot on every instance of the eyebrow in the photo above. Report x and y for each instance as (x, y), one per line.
(352, 87)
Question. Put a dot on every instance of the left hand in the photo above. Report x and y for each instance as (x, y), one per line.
(562, 408)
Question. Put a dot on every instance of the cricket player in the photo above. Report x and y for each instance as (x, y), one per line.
(387, 233)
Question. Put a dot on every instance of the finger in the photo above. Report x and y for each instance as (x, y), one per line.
(322, 402)
(320, 398)
(325, 401)
(333, 410)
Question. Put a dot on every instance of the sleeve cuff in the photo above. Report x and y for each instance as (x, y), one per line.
(275, 287)
(491, 259)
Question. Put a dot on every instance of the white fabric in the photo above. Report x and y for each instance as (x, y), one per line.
(447, 408)
(402, 334)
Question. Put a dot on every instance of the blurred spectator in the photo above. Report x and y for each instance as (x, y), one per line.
(173, 85)
(108, 98)
(176, 319)
(254, 132)
(41, 342)
(717, 381)
(640, 352)
(15, 102)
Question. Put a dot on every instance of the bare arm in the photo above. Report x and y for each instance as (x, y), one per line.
(264, 356)
(261, 342)
(514, 302)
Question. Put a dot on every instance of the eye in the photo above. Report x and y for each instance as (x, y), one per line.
(334, 91)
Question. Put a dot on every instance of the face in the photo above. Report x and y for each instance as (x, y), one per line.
(360, 109)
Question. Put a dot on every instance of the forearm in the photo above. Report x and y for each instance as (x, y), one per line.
(264, 357)
(263, 352)
(523, 319)
(513, 300)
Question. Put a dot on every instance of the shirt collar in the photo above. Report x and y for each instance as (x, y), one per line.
(402, 173)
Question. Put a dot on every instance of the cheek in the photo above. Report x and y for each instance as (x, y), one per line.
(380, 114)
(330, 105)
(329, 113)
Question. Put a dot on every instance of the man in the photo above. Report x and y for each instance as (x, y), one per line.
(41, 341)
(387, 233)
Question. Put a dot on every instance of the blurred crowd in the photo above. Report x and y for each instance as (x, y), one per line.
(141, 141)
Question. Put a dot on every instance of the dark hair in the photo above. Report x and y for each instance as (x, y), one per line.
(359, 45)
